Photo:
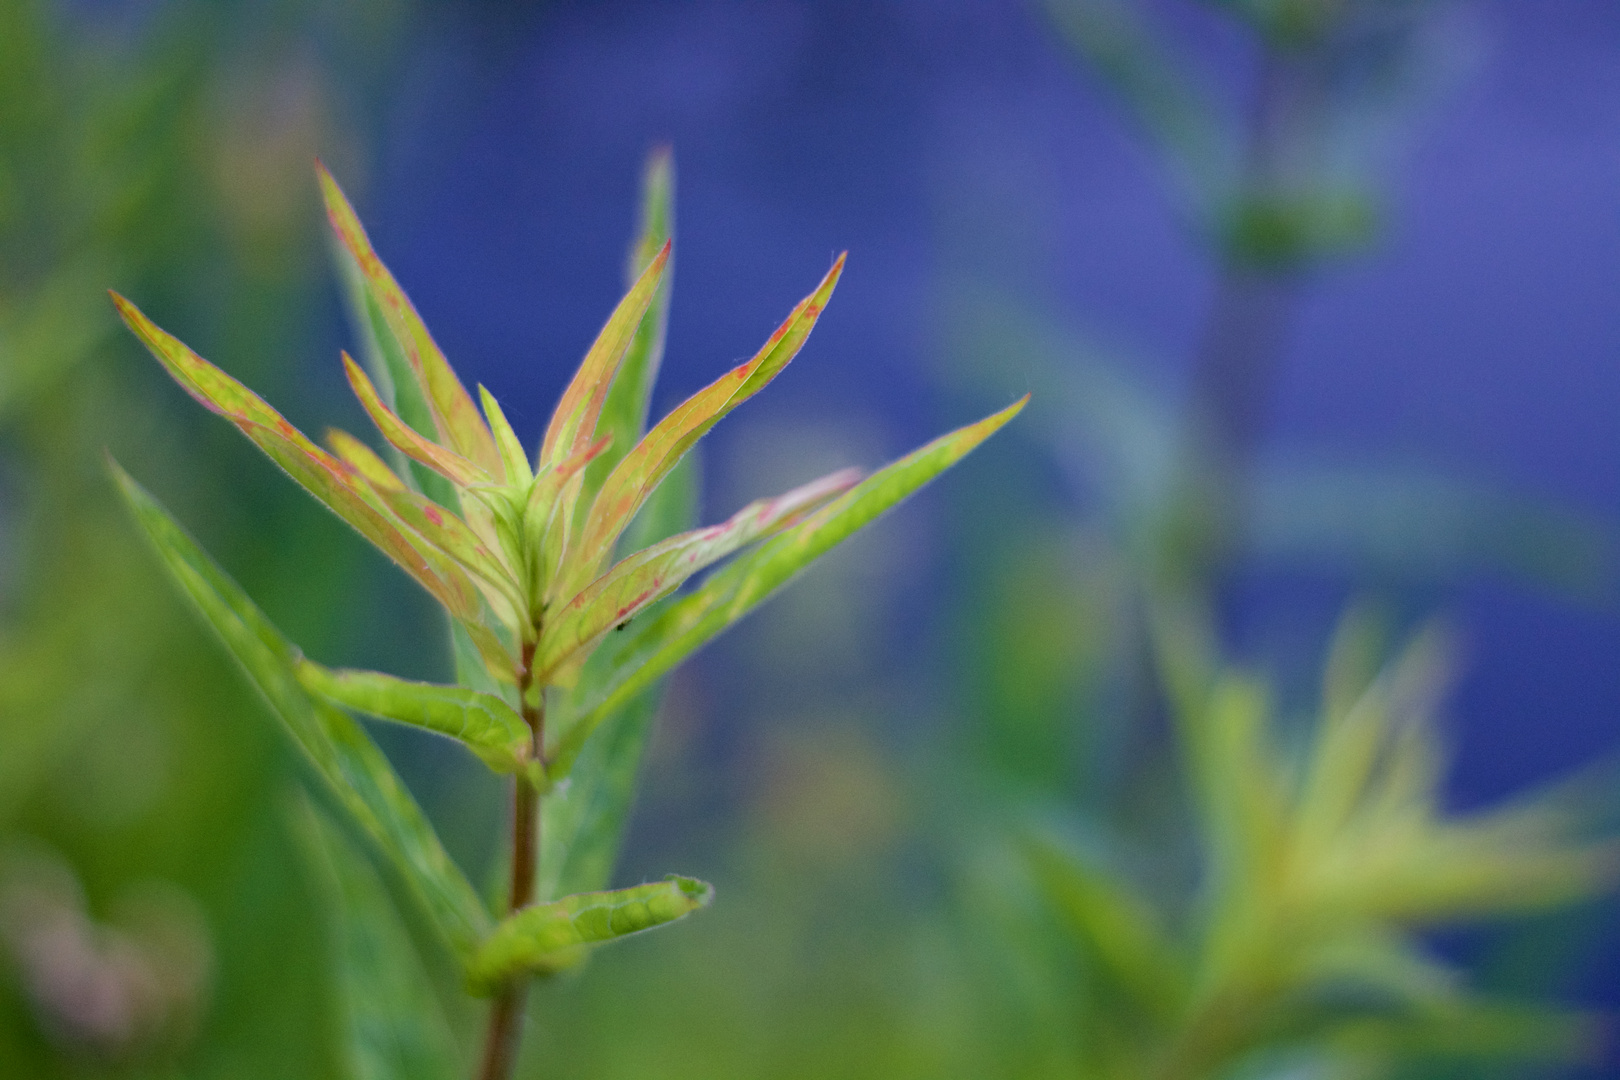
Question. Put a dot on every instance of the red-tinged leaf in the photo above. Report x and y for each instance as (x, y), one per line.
(635, 477)
(340, 487)
(447, 463)
(691, 621)
(216, 390)
(573, 425)
(333, 482)
(451, 535)
(454, 413)
(436, 525)
(363, 459)
(649, 575)
(624, 413)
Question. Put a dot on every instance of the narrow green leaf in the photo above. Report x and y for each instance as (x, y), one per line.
(649, 575)
(624, 413)
(454, 414)
(485, 724)
(687, 624)
(634, 478)
(391, 1022)
(545, 937)
(447, 463)
(344, 757)
(550, 508)
(583, 821)
(513, 456)
(573, 425)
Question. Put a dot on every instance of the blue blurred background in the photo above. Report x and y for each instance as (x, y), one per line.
(1450, 368)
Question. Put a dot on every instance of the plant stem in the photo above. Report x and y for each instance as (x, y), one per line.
(1244, 337)
(505, 1031)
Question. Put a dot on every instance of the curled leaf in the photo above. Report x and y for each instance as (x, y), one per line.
(547, 937)
(485, 724)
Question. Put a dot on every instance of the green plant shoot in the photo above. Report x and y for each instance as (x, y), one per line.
(523, 553)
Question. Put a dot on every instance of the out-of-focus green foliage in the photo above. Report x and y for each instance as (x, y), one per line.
(1321, 855)
(1185, 880)
(159, 146)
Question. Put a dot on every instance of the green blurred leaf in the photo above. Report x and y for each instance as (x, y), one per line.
(392, 1025)
(1198, 141)
(455, 416)
(354, 770)
(1114, 924)
(548, 937)
(483, 723)
(731, 593)
(584, 820)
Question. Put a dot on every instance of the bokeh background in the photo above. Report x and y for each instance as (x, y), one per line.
(1438, 428)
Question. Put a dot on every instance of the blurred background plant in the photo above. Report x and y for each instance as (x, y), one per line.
(918, 786)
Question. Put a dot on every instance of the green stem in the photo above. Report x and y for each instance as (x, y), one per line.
(505, 1032)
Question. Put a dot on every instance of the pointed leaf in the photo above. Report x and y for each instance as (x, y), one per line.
(342, 755)
(573, 425)
(544, 937)
(454, 413)
(391, 370)
(1116, 925)
(391, 1023)
(364, 460)
(624, 413)
(447, 463)
(648, 575)
(628, 486)
(513, 456)
(455, 538)
(334, 483)
(485, 724)
(736, 590)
